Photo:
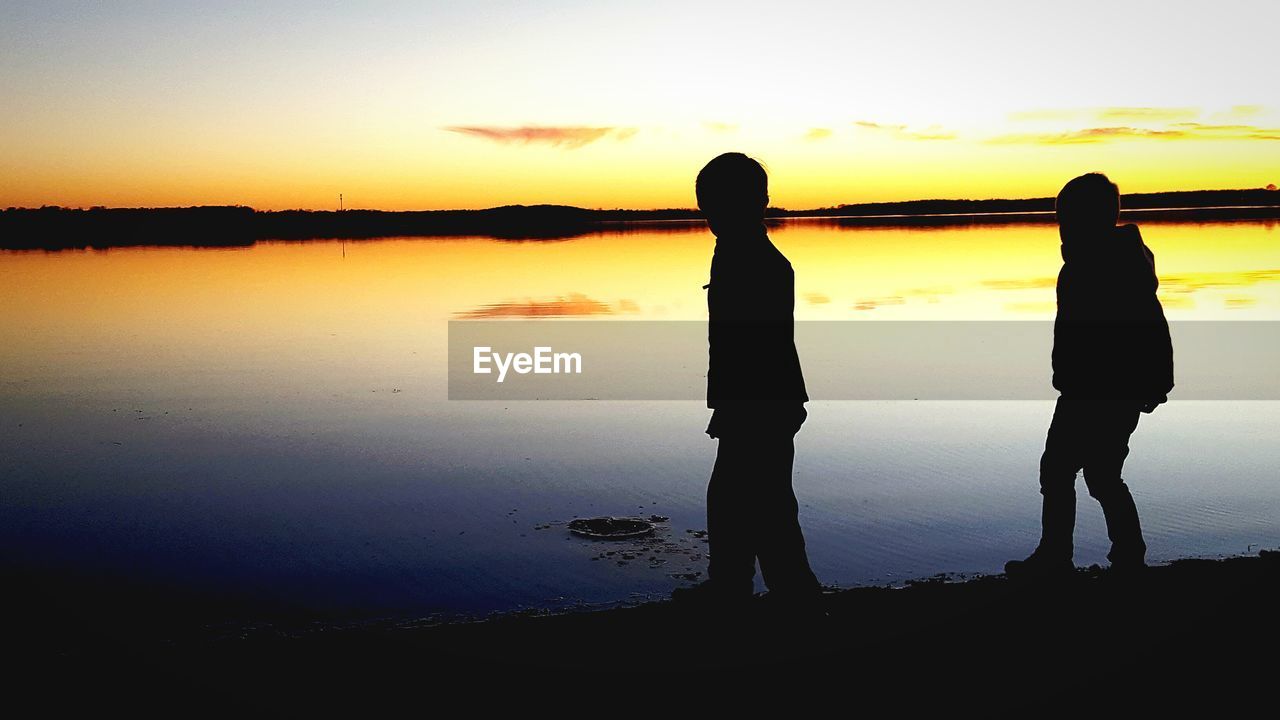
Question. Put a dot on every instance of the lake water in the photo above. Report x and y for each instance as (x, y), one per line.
(273, 420)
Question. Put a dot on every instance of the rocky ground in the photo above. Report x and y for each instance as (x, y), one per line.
(1212, 623)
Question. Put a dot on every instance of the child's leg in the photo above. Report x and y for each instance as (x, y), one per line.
(780, 547)
(1058, 467)
(732, 561)
(1108, 448)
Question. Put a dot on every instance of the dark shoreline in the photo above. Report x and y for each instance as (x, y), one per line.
(55, 228)
(1180, 619)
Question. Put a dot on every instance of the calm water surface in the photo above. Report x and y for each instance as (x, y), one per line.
(273, 419)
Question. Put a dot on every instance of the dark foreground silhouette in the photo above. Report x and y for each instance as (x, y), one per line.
(756, 391)
(56, 228)
(1207, 626)
(1112, 361)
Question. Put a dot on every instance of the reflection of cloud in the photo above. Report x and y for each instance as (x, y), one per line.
(573, 304)
(933, 132)
(1175, 290)
(873, 303)
(568, 137)
(1022, 284)
(1192, 282)
(1175, 131)
(818, 134)
(1171, 283)
(1035, 308)
(814, 298)
(1176, 302)
(930, 294)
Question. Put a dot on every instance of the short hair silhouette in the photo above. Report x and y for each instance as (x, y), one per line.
(1089, 201)
(733, 185)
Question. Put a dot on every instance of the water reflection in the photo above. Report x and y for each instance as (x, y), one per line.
(572, 305)
(299, 444)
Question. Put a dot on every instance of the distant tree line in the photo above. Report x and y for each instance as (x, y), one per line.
(63, 228)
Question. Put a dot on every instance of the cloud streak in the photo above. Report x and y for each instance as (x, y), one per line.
(1243, 111)
(568, 137)
(1086, 135)
(720, 127)
(1116, 114)
(1230, 132)
(1147, 114)
(1175, 131)
(903, 132)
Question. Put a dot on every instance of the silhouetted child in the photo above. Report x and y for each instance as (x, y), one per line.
(756, 390)
(1112, 360)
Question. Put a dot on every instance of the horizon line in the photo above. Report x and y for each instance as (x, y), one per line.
(1267, 188)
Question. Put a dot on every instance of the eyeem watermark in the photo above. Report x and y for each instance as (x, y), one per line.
(543, 361)
(842, 360)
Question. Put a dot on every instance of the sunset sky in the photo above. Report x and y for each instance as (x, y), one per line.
(401, 105)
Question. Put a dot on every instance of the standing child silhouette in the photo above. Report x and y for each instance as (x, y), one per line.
(756, 391)
(1112, 360)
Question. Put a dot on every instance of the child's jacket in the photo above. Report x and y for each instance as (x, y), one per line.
(1111, 339)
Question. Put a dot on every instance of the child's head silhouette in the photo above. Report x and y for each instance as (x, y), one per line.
(733, 192)
(1088, 203)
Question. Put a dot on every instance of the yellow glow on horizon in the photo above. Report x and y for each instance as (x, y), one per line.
(429, 106)
(651, 169)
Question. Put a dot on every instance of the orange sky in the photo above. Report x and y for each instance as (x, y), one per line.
(399, 106)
